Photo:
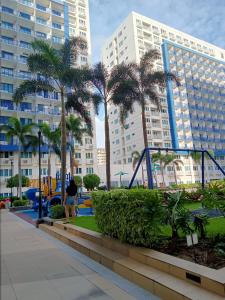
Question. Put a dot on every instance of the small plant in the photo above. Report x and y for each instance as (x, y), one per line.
(91, 181)
(57, 211)
(78, 181)
(200, 222)
(220, 249)
(176, 215)
(17, 203)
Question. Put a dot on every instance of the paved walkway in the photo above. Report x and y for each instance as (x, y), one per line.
(35, 266)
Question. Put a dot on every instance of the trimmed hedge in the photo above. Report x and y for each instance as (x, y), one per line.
(132, 216)
(20, 203)
(57, 211)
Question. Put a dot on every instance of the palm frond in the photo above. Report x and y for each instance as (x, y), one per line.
(30, 87)
(38, 63)
(148, 60)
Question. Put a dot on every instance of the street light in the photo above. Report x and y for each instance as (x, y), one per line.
(11, 182)
(39, 177)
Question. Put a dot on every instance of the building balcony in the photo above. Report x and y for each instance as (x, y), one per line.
(26, 3)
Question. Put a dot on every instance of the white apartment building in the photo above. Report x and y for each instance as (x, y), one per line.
(101, 156)
(136, 35)
(21, 22)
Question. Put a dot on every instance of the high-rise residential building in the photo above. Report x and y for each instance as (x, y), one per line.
(192, 114)
(21, 22)
(101, 156)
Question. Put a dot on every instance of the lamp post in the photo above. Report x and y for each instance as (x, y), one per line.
(39, 177)
(11, 185)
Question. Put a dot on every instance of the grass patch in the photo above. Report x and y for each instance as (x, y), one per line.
(193, 205)
(87, 222)
(216, 226)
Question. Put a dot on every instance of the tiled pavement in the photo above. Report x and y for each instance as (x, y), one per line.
(35, 266)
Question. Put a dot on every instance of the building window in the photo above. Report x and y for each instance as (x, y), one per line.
(24, 74)
(41, 34)
(78, 170)
(77, 155)
(57, 40)
(7, 104)
(89, 155)
(7, 55)
(7, 87)
(7, 25)
(24, 44)
(41, 7)
(25, 30)
(56, 12)
(7, 71)
(7, 10)
(23, 59)
(26, 154)
(25, 16)
(56, 25)
(27, 172)
(25, 106)
(7, 40)
(41, 21)
(89, 170)
(25, 121)
(5, 173)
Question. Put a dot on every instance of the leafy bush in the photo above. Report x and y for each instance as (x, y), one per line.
(214, 197)
(20, 203)
(200, 222)
(78, 181)
(132, 216)
(14, 181)
(24, 197)
(57, 211)
(185, 185)
(91, 181)
(193, 196)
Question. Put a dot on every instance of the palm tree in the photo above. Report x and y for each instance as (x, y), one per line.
(75, 130)
(26, 138)
(136, 157)
(104, 85)
(55, 71)
(165, 160)
(52, 137)
(140, 84)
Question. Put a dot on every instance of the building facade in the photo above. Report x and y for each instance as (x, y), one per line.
(101, 156)
(21, 22)
(198, 126)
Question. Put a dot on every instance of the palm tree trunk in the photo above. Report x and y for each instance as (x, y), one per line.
(143, 175)
(107, 149)
(49, 171)
(72, 163)
(63, 146)
(19, 172)
(144, 126)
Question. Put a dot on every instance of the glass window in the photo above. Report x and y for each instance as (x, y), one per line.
(25, 16)
(24, 44)
(6, 71)
(7, 25)
(40, 107)
(7, 87)
(57, 39)
(41, 21)
(7, 55)
(24, 74)
(41, 34)
(7, 39)
(56, 12)
(7, 9)
(77, 155)
(23, 59)
(24, 106)
(25, 30)
(89, 170)
(6, 103)
(41, 7)
(78, 170)
(25, 121)
(56, 25)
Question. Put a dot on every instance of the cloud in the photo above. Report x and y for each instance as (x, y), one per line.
(100, 133)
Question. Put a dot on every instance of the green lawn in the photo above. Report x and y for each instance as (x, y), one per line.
(86, 222)
(193, 205)
(215, 226)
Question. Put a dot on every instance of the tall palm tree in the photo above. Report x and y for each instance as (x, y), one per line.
(54, 71)
(52, 140)
(140, 85)
(136, 157)
(104, 84)
(26, 138)
(75, 131)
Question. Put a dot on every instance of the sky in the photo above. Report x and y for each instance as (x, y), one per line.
(204, 19)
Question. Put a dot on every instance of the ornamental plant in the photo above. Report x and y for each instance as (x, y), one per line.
(132, 216)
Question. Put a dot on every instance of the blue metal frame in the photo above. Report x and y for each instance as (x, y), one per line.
(146, 152)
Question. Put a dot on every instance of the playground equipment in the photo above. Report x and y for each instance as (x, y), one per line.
(147, 152)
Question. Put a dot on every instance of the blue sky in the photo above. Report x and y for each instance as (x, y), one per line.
(204, 19)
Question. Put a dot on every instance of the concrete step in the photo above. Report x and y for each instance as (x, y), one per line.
(158, 282)
(193, 273)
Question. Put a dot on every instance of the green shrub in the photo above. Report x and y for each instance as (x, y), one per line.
(91, 181)
(57, 212)
(132, 216)
(24, 197)
(20, 203)
(78, 180)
